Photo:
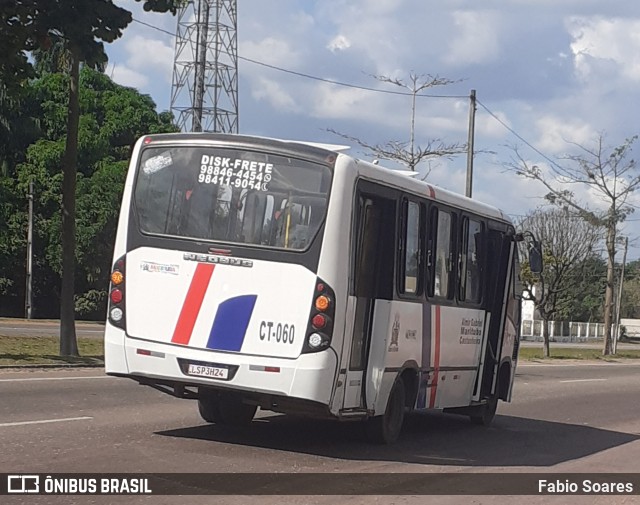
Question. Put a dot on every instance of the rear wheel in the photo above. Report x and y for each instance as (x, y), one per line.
(233, 412)
(485, 414)
(385, 429)
(209, 408)
(225, 409)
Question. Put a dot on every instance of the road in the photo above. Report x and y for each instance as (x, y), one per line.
(564, 418)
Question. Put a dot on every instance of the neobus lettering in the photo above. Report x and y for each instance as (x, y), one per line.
(277, 332)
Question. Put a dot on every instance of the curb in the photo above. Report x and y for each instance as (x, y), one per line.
(53, 365)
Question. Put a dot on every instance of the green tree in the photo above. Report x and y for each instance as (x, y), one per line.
(111, 118)
(83, 28)
(610, 173)
(567, 241)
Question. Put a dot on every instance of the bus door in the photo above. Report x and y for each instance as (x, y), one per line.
(371, 290)
(497, 267)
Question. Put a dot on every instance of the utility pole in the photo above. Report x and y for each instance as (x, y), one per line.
(472, 123)
(619, 301)
(28, 292)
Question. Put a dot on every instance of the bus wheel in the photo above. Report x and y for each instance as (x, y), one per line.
(209, 407)
(233, 412)
(385, 429)
(486, 413)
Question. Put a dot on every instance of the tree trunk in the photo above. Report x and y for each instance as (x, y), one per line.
(68, 341)
(546, 351)
(608, 294)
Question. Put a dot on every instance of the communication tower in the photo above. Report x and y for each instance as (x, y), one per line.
(204, 90)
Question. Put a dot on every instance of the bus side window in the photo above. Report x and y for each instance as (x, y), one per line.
(443, 251)
(470, 280)
(411, 248)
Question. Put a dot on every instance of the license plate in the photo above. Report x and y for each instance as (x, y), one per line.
(208, 371)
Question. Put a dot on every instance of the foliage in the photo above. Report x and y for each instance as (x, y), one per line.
(567, 241)
(407, 153)
(608, 173)
(111, 118)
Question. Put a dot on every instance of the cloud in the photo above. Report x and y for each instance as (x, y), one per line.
(127, 77)
(274, 94)
(339, 43)
(150, 53)
(271, 50)
(598, 40)
(556, 132)
(477, 38)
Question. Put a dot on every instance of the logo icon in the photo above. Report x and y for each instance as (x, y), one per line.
(20, 484)
(395, 332)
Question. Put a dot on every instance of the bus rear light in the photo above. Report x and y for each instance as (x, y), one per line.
(322, 303)
(319, 321)
(320, 327)
(318, 341)
(116, 296)
(117, 290)
(116, 314)
(117, 277)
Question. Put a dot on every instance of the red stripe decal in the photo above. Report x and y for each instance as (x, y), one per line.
(192, 303)
(436, 360)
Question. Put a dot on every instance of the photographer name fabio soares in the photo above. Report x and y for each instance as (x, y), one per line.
(584, 486)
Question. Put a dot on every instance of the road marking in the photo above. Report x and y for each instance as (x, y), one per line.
(56, 378)
(44, 421)
(584, 380)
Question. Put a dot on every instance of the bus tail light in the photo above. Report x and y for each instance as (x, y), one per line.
(320, 327)
(116, 312)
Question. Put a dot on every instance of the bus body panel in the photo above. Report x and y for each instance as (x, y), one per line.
(260, 308)
(309, 377)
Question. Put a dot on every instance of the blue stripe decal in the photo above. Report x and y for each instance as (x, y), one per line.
(231, 323)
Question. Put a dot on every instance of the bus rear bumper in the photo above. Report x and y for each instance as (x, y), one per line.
(309, 378)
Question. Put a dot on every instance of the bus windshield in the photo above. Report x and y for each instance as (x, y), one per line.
(230, 195)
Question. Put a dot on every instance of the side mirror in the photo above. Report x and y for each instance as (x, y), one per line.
(535, 258)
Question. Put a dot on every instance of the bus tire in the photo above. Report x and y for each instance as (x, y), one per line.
(233, 412)
(209, 408)
(385, 429)
(485, 414)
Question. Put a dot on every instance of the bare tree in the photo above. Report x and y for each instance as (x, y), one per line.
(567, 241)
(609, 173)
(406, 152)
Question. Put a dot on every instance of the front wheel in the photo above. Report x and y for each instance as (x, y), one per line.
(385, 429)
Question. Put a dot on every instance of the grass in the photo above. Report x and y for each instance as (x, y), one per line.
(44, 351)
(23, 350)
(534, 353)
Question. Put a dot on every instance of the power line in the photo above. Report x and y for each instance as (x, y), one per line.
(375, 90)
(513, 132)
(316, 78)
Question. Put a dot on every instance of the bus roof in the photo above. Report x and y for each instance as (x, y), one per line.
(399, 179)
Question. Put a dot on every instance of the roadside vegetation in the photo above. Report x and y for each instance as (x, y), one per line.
(20, 351)
(564, 353)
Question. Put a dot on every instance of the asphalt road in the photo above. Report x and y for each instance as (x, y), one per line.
(564, 418)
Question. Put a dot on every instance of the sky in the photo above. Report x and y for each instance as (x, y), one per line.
(548, 74)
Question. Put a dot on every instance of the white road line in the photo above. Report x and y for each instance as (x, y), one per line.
(584, 380)
(56, 378)
(44, 421)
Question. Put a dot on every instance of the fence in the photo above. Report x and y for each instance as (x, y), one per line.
(562, 331)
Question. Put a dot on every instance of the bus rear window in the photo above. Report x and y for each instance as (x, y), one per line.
(228, 195)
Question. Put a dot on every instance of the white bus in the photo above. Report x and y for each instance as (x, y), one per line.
(252, 272)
